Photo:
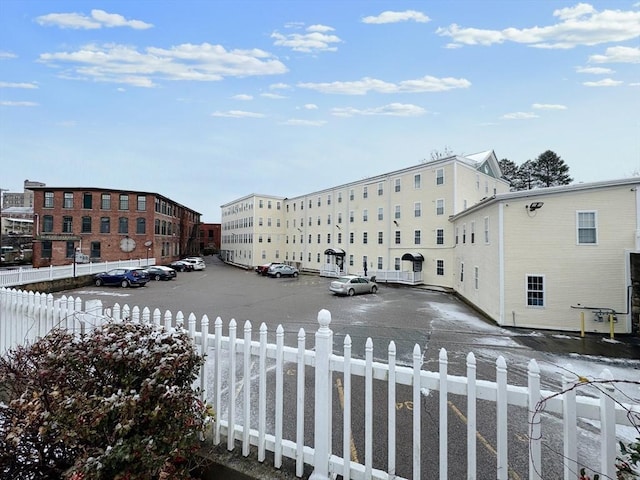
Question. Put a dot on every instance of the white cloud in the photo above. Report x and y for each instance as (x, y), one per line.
(617, 55)
(279, 86)
(237, 114)
(7, 103)
(366, 85)
(7, 55)
(310, 106)
(243, 97)
(273, 96)
(185, 62)
(395, 17)
(607, 82)
(519, 116)
(17, 85)
(314, 40)
(579, 25)
(595, 70)
(545, 106)
(304, 123)
(392, 109)
(97, 19)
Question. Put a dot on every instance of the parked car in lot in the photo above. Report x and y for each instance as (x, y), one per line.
(353, 285)
(181, 266)
(263, 269)
(160, 272)
(197, 262)
(125, 277)
(281, 270)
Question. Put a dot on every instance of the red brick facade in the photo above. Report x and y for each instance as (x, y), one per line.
(210, 238)
(108, 225)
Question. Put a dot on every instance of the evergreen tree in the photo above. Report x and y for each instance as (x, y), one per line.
(525, 177)
(509, 170)
(550, 170)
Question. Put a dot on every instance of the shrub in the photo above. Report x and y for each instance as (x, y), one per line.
(115, 403)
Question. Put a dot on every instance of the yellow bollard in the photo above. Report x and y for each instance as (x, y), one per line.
(611, 325)
(581, 324)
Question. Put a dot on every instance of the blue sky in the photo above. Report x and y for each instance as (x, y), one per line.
(208, 101)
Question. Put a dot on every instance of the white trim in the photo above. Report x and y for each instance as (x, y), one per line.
(544, 290)
(595, 221)
(501, 317)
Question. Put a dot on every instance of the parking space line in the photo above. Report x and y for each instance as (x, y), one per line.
(354, 451)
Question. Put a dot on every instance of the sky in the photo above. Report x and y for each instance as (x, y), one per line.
(205, 102)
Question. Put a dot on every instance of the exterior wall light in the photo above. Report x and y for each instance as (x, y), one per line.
(534, 206)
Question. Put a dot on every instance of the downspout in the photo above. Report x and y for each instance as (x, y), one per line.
(501, 265)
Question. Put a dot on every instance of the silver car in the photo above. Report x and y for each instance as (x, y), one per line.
(282, 271)
(352, 285)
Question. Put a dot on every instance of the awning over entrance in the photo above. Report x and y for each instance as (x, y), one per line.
(335, 251)
(414, 257)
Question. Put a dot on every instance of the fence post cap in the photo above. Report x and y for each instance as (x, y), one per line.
(324, 318)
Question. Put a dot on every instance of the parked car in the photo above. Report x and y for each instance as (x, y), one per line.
(197, 262)
(263, 269)
(181, 266)
(160, 272)
(353, 285)
(125, 277)
(281, 270)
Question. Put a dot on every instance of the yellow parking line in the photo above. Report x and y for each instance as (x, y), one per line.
(354, 451)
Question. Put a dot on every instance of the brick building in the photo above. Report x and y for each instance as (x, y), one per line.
(210, 238)
(107, 225)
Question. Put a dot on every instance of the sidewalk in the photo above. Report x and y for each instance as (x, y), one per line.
(593, 344)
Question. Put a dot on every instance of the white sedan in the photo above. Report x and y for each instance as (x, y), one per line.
(352, 285)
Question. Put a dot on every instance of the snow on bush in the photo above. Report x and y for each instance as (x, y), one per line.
(115, 403)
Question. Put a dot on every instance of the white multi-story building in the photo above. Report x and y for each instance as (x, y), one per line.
(453, 223)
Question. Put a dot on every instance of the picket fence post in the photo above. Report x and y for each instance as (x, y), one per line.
(322, 420)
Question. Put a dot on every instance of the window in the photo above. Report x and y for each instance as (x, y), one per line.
(260, 221)
(464, 233)
(94, 251)
(319, 201)
(141, 205)
(47, 247)
(535, 291)
(318, 238)
(339, 238)
(381, 213)
(68, 200)
(319, 220)
(156, 227)
(268, 221)
(473, 232)
(87, 201)
(48, 199)
(278, 208)
(587, 228)
(67, 224)
(416, 237)
(461, 272)
(351, 237)
(486, 230)
(86, 225)
(440, 236)
(70, 249)
(440, 176)
(328, 199)
(351, 194)
(309, 238)
(396, 214)
(278, 222)
(309, 221)
(397, 237)
(269, 204)
(380, 238)
(124, 202)
(260, 203)
(416, 181)
(439, 267)
(47, 224)
(329, 219)
(417, 209)
(105, 201)
(339, 197)
(396, 186)
(328, 238)
(123, 225)
(351, 216)
(365, 192)
(476, 278)
(141, 225)
(440, 206)
(365, 236)
(380, 189)
(379, 263)
(396, 264)
(105, 225)
(351, 260)
(339, 217)
(365, 215)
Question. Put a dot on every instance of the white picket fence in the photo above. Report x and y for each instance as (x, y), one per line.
(26, 275)
(260, 403)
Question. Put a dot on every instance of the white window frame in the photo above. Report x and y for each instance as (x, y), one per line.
(527, 290)
(594, 228)
(486, 230)
(440, 206)
(440, 176)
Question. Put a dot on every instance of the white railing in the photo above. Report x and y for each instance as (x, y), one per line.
(259, 393)
(26, 275)
(396, 276)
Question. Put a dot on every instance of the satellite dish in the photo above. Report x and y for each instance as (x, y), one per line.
(127, 244)
(148, 243)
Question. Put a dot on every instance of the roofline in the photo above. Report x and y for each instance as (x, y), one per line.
(539, 192)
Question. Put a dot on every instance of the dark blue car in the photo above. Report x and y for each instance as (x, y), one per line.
(125, 277)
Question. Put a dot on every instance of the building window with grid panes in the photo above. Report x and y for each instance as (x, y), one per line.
(416, 181)
(87, 201)
(464, 233)
(124, 202)
(396, 264)
(319, 220)
(486, 230)
(473, 232)
(105, 201)
(440, 206)
(380, 189)
(94, 252)
(105, 225)
(587, 227)
(268, 221)
(329, 219)
(339, 197)
(365, 215)
(461, 272)
(379, 263)
(380, 238)
(141, 203)
(439, 267)
(365, 236)
(380, 213)
(396, 213)
(86, 225)
(535, 291)
(351, 216)
(417, 209)
(365, 192)
(141, 225)
(397, 237)
(328, 199)
(351, 194)
(123, 225)
(67, 224)
(48, 200)
(339, 238)
(318, 238)
(476, 277)
(351, 236)
(351, 260)
(440, 236)
(440, 176)
(416, 237)
(328, 238)
(68, 200)
(47, 224)
(396, 185)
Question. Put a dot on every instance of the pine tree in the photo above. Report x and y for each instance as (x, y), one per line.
(509, 171)
(550, 170)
